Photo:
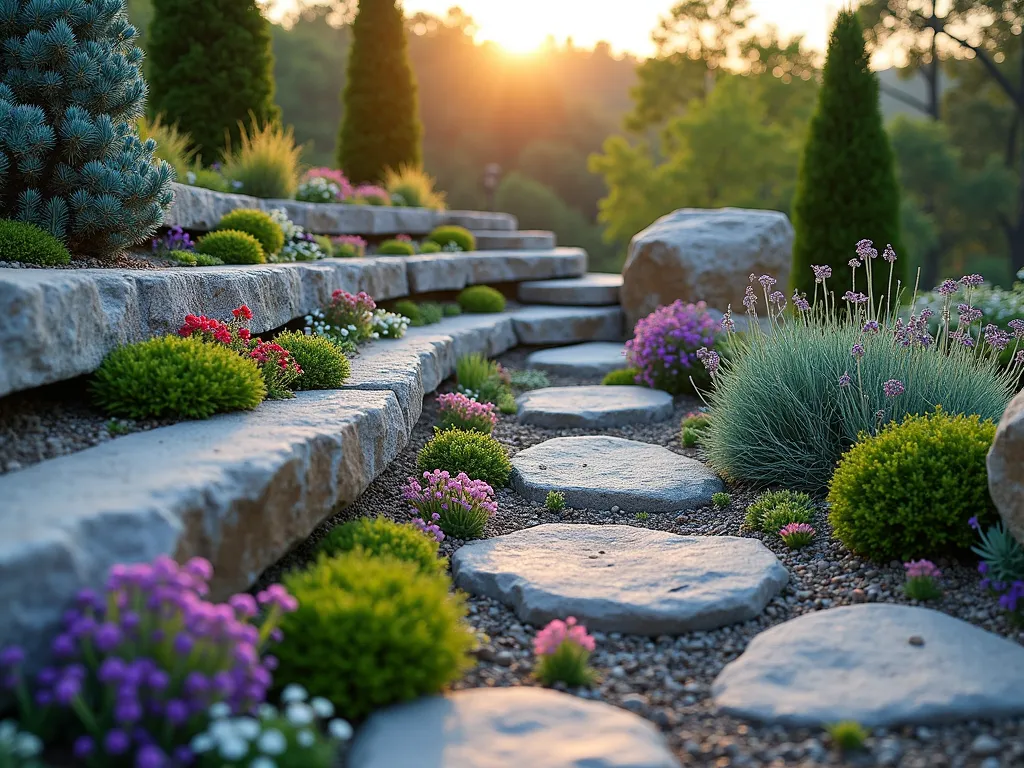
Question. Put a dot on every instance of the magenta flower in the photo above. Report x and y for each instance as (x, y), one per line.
(457, 410)
(917, 568)
(797, 535)
(665, 343)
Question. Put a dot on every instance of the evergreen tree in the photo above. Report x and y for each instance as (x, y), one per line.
(71, 162)
(210, 67)
(381, 127)
(847, 189)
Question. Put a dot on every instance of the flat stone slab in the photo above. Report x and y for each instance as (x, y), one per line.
(539, 326)
(594, 289)
(880, 665)
(619, 578)
(599, 472)
(593, 407)
(593, 358)
(454, 271)
(508, 728)
(481, 220)
(239, 489)
(525, 240)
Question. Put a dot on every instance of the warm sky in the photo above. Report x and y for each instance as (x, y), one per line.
(522, 25)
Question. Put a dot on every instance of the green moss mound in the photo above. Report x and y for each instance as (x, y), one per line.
(232, 247)
(449, 234)
(323, 364)
(396, 248)
(481, 299)
(28, 244)
(478, 455)
(621, 378)
(258, 224)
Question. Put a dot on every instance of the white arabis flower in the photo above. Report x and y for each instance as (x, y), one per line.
(340, 729)
(272, 742)
(299, 713)
(233, 748)
(219, 710)
(306, 739)
(322, 707)
(294, 692)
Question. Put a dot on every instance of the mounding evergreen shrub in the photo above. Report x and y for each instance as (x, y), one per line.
(232, 247)
(449, 235)
(380, 537)
(481, 299)
(410, 309)
(910, 491)
(396, 248)
(71, 90)
(764, 507)
(324, 365)
(258, 224)
(431, 312)
(381, 128)
(478, 455)
(846, 188)
(370, 632)
(28, 244)
(624, 377)
(209, 67)
(429, 246)
(173, 377)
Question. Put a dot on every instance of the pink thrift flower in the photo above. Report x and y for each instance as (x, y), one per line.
(549, 639)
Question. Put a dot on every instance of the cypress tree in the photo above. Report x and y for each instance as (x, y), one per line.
(210, 66)
(381, 126)
(847, 189)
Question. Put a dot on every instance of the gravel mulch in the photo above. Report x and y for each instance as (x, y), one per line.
(668, 679)
(117, 261)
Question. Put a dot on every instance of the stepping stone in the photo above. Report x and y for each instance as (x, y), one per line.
(538, 326)
(593, 407)
(522, 240)
(880, 665)
(594, 289)
(599, 472)
(594, 358)
(619, 578)
(506, 728)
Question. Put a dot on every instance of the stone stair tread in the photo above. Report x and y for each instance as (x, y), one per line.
(530, 239)
(550, 325)
(596, 407)
(592, 289)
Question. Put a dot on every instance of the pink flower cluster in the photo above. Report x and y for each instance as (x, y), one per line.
(549, 639)
(665, 344)
(457, 410)
(335, 177)
(432, 529)
(373, 194)
(353, 244)
(917, 569)
(440, 492)
(353, 312)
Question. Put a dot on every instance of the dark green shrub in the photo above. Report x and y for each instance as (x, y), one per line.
(909, 491)
(323, 364)
(258, 224)
(452, 310)
(431, 312)
(29, 244)
(721, 499)
(210, 69)
(624, 377)
(396, 248)
(479, 456)
(380, 537)
(449, 235)
(232, 247)
(481, 299)
(370, 632)
(381, 128)
(172, 377)
(847, 188)
(409, 309)
(769, 501)
(71, 88)
(429, 246)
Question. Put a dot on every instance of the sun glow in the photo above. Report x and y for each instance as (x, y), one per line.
(517, 37)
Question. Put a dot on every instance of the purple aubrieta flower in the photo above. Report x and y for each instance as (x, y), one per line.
(857, 351)
(948, 287)
(844, 380)
(821, 273)
(893, 388)
(664, 343)
(973, 522)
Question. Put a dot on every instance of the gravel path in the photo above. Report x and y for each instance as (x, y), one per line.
(668, 679)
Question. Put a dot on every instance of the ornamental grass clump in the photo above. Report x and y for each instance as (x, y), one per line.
(481, 299)
(29, 244)
(463, 506)
(232, 247)
(483, 380)
(797, 535)
(370, 632)
(480, 456)
(265, 163)
(411, 186)
(800, 393)
(136, 671)
(924, 580)
(457, 410)
(323, 364)
(665, 344)
(171, 377)
(452, 238)
(258, 224)
(380, 537)
(909, 491)
(563, 651)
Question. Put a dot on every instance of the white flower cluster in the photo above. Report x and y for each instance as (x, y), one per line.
(318, 190)
(388, 325)
(17, 744)
(296, 246)
(291, 229)
(317, 325)
(255, 741)
(472, 394)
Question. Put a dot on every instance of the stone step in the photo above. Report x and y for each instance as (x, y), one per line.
(481, 221)
(593, 407)
(600, 472)
(594, 289)
(593, 358)
(621, 578)
(525, 240)
(508, 728)
(879, 665)
(454, 271)
(540, 326)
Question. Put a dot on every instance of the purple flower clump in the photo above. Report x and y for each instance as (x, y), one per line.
(665, 343)
(440, 492)
(175, 239)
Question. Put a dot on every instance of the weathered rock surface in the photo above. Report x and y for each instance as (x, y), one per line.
(1006, 467)
(593, 407)
(694, 254)
(593, 358)
(598, 472)
(620, 578)
(454, 271)
(858, 663)
(239, 489)
(481, 220)
(506, 728)
(592, 290)
(525, 240)
(563, 325)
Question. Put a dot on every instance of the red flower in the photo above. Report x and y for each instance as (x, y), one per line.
(244, 334)
(242, 312)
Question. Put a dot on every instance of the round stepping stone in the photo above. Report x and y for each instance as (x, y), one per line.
(600, 472)
(508, 728)
(594, 289)
(595, 358)
(593, 407)
(880, 665)
(619, 578)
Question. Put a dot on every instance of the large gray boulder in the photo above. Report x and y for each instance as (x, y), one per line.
(1006, 467)
(704, 255)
